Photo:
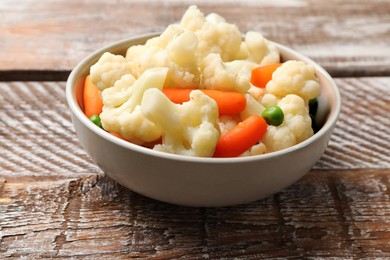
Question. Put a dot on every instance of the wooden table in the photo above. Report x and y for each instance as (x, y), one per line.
(54, 202)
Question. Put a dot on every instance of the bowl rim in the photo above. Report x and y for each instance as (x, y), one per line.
(74, 107)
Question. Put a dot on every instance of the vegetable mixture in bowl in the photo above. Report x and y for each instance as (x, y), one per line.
(202, 89)
(167, 107)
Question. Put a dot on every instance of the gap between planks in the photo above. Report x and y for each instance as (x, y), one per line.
(62, 75)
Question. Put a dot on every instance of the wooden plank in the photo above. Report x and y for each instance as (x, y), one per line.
(38, 140)
(361, 137)
(350, 40)
(36, 134)
(328, 213)
(55, 202)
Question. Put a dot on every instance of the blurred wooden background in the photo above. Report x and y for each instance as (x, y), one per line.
(54, 202)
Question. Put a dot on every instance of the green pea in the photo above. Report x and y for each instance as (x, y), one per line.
(96, 120)
(273, 115)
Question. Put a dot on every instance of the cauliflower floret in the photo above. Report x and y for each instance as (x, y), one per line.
(295, 128)
(122, 112)
(193, 19)
(256, 93)
(257, 49)
(294, 77)
(108, 70)
(214, 34)
(228, 76)
(269, 100)
(227, 123)
(188, 129)
(257, 149)
(175, 48)
(278, 138)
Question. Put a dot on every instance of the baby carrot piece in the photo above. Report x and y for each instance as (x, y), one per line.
(229, 103)
(241, 137)
(92, 102)
(261, 75)
(178, 95)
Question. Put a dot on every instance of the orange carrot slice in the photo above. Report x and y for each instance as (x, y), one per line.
(261, 75)
(239, 139)
(229, 102)
(92, 102)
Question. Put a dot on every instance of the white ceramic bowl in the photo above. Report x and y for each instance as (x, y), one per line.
(203, 182)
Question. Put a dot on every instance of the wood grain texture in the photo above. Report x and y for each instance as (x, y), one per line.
(328, 213)
(38, 139)
(54, 202)
(347, 37)
(361, 138)
(36, 133)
